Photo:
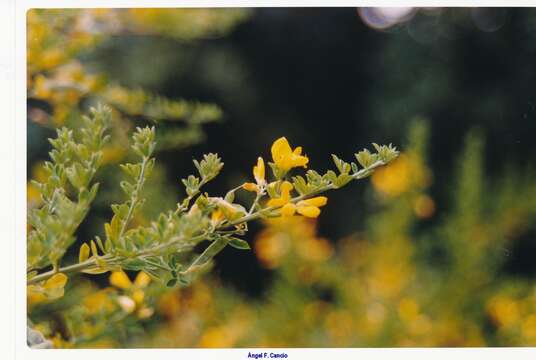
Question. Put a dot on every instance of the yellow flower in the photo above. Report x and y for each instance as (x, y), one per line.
(134, 300)
(126, 303)
(285, 158)
(51, 289)
(250, 187)
(308, 208)
(286, 187)
(100, 301)
(120, 280)
(258, 172)
(217, 217)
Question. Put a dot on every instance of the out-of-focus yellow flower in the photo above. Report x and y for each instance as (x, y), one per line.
(33, 196)
(126, 303)
(528, 328)
(420, 325)
(408, 309)
(271, 249)
(169, 304)
(120, 280)
(339, 326)
(60, 343)
(387, 280)
(285, 158)
(424, 206)
(100, 301)
(51, 58)
(134, 299)
(41, 88)
(375, 314)
(215, 337)
(314, 249)
(51, 289)
(504, 311)
(113, 154)
(394, 179)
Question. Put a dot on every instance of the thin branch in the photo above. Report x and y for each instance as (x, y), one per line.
(214, 248)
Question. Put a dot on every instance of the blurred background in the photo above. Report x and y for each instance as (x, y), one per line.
(438, 249)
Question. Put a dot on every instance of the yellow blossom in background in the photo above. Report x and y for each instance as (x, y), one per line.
(504, 311)
(33, 196)
(271, 250)
(394, 180)
(134, 300)
(528, 329)
(285, 158)
(120, 280)
(408, 310)
(424, 206)
(169, 304)
(314, 249)
(99, 301)
(339, 326)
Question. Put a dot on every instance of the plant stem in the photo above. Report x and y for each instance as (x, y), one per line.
(67, 269)
(133, 200)
(211, 251)
(214, 248)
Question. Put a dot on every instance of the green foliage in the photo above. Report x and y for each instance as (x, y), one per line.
(154, 248)
(409, 277)
(59, 41)
(168, 113)
(67, 193)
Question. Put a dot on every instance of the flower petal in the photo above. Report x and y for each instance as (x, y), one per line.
(309, 211)
(259, 171)
(250, 187)
(280, 149)
(288, 210)
(120, 279)
(127, 304)
(316, 201)
(57, 281)
(142, 280)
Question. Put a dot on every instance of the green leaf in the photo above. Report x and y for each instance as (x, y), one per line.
(171, 282)
(239, 244)
(133, 264)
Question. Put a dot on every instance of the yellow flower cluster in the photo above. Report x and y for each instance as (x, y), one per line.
(308, 208)
(134, 299)
(284, 159)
